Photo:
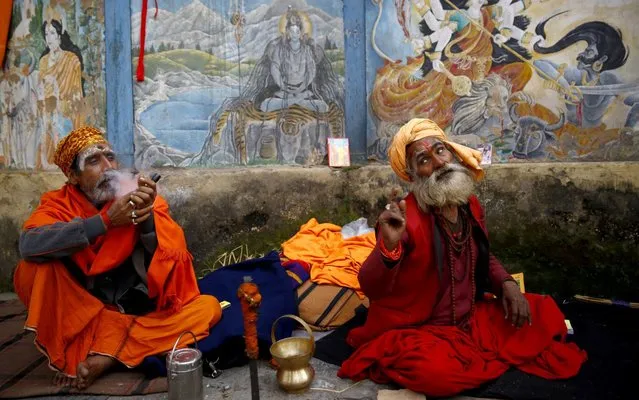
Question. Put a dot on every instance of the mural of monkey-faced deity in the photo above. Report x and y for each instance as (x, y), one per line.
(495, 71)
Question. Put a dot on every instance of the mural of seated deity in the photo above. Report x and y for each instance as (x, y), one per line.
(292, 102)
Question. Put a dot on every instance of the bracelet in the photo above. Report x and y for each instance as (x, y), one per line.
(391, 255)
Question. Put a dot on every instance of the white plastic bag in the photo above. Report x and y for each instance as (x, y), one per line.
(356, 228)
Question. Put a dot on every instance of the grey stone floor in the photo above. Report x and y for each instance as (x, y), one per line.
(234, 384)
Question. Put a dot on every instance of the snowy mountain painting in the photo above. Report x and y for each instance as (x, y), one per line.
(277, 66)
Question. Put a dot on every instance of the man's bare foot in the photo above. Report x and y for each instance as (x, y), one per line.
(92, 368)
(62, 380)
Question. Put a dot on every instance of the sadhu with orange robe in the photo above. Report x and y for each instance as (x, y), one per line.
(107, 280)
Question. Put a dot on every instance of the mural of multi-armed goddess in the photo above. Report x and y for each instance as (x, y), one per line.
(540, 80)
(239, 82)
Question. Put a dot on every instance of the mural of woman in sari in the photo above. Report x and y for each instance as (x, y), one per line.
(61, 89)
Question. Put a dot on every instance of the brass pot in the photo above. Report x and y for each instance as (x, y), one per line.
(293, 356)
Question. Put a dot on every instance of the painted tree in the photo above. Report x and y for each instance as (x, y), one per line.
(35, 27)
(16, 16)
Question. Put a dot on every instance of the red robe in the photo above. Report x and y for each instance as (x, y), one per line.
(398, 344)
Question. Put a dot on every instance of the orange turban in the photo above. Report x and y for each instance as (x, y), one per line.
(72, 144)
(419, 128)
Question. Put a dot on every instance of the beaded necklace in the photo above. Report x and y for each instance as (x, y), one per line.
(456, 243)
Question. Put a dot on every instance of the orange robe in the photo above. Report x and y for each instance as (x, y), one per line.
(333, 260)
(71, 324)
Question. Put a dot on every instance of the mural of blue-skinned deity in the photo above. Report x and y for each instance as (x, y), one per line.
(239, 82)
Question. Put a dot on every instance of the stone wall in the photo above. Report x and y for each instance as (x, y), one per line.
(572, 228)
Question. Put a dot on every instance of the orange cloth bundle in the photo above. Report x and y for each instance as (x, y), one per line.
(333, 260)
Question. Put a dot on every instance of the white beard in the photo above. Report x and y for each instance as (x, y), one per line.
(105, 188)
(450, 185)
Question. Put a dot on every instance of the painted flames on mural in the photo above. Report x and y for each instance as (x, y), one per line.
(474, 62)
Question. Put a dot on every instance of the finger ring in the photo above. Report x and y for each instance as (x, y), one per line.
(133, 220)
(387, 206)
(132, 204)
(133, 215)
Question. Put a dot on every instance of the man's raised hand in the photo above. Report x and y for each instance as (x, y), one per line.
(392, 221)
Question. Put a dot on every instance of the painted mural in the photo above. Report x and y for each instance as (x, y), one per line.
(539, 80)
(52, 80)
(238, 82)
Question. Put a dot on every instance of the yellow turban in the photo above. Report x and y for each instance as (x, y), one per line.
(419, 128)
(72, 144)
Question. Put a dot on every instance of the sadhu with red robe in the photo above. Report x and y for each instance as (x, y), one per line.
(433, 325)
(106, 280)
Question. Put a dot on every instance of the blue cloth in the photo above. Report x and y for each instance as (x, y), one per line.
(277, 299)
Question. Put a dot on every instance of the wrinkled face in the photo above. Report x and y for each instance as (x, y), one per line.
(51, 37)
(96, 173)
(437, 178)
(294, 32)
(587, 57)
(427, 155)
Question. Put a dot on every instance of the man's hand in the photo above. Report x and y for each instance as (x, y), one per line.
(392, 222)
(515, 304)
(122, 213)
(146, 185)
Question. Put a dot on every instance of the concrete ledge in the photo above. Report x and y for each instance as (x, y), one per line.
(572, 227)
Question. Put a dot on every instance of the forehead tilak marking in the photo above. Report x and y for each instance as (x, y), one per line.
(424, 145)
(91, 151)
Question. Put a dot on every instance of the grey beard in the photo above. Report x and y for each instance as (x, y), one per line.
(105, 188)
(451, 185)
